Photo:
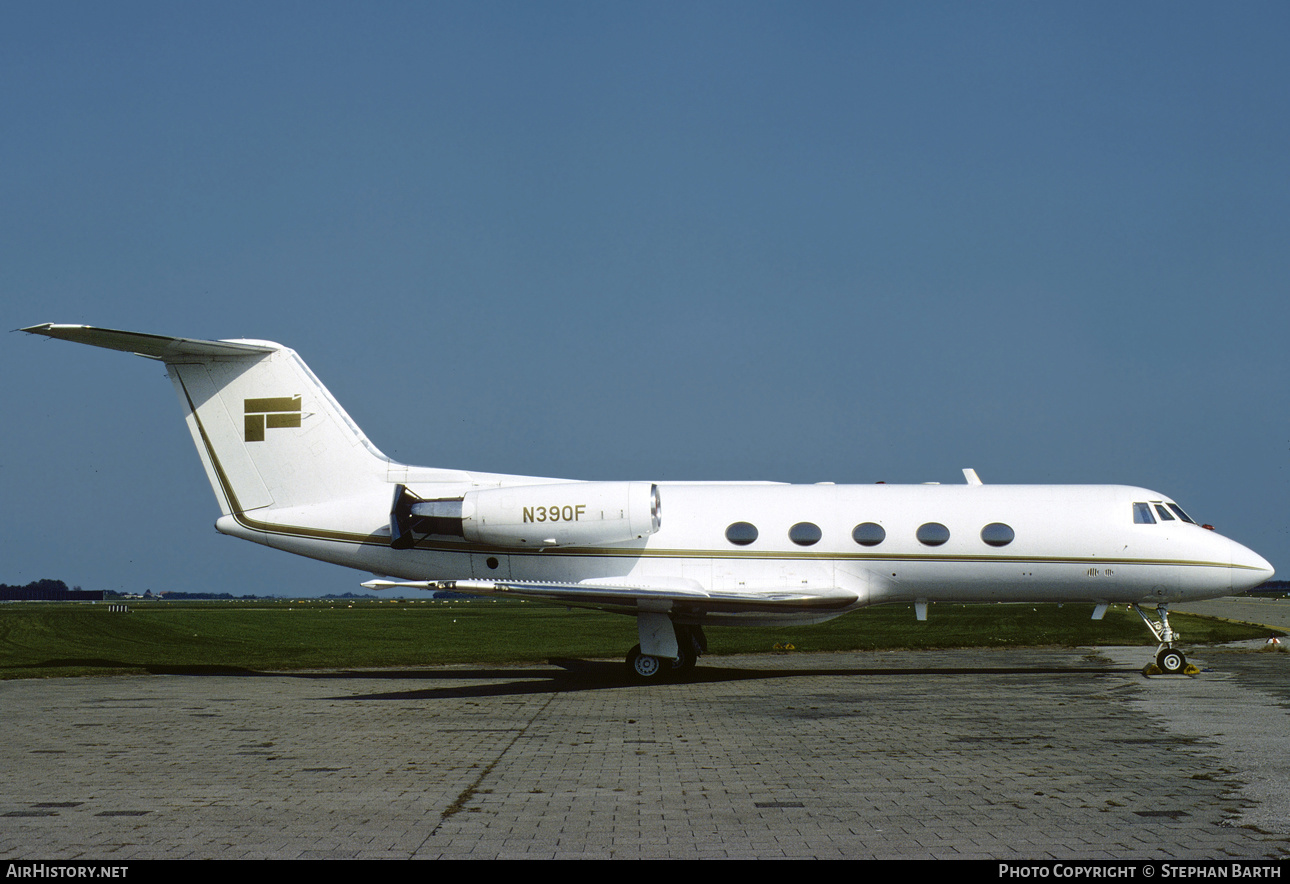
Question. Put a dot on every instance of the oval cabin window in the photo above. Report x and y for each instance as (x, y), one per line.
(805, 533)
(998, 534)
(932, 534)
(868, 534)
(741, 533)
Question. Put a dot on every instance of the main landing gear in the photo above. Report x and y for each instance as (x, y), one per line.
(1169, 659)
(690, 644)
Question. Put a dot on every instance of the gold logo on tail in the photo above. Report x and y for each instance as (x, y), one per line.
(272, 413)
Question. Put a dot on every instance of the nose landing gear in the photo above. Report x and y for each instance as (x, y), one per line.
(1169, 659)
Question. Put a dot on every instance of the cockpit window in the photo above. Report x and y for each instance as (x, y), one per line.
(1142, 514)
(1177, 509)
(1165, 515)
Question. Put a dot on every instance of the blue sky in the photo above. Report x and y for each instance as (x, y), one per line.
(833, 241)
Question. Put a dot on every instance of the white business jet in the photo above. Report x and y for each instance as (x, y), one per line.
(291, 470)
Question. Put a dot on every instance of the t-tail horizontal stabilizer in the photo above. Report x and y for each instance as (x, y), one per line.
(152, 346)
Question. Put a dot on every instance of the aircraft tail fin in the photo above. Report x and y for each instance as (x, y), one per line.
(268, 432)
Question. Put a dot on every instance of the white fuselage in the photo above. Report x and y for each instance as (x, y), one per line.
(1070, 543)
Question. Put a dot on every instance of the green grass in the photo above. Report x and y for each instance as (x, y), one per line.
(52, 639)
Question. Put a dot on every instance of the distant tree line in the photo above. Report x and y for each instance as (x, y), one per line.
(52, 590)
(1272, 587)
(39, 586)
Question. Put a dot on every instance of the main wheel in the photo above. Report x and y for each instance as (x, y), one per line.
(684, 664)
(1170, 661)
(643, 666)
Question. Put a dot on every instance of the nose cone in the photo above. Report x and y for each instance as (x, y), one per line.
(1249, 569)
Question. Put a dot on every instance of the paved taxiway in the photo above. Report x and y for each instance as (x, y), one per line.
(1274, 612)
(1000, 754)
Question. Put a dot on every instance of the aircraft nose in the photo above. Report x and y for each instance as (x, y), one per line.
(1249, 569)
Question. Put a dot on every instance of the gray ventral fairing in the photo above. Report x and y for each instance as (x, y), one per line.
(291, 470)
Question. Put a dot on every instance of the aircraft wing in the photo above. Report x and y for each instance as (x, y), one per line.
(681, 596)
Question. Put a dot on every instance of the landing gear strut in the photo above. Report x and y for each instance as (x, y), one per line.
(1170, 660)
(690, 643)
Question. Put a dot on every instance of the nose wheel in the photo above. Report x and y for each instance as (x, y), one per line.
(1171, 661)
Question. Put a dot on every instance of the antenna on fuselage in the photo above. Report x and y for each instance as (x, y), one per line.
(971, 476)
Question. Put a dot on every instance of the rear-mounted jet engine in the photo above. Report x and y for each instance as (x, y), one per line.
(532, 516)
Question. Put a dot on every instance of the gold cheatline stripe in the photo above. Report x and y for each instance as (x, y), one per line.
(582, 552)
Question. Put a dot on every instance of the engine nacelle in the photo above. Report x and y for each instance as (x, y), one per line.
(574, 514)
